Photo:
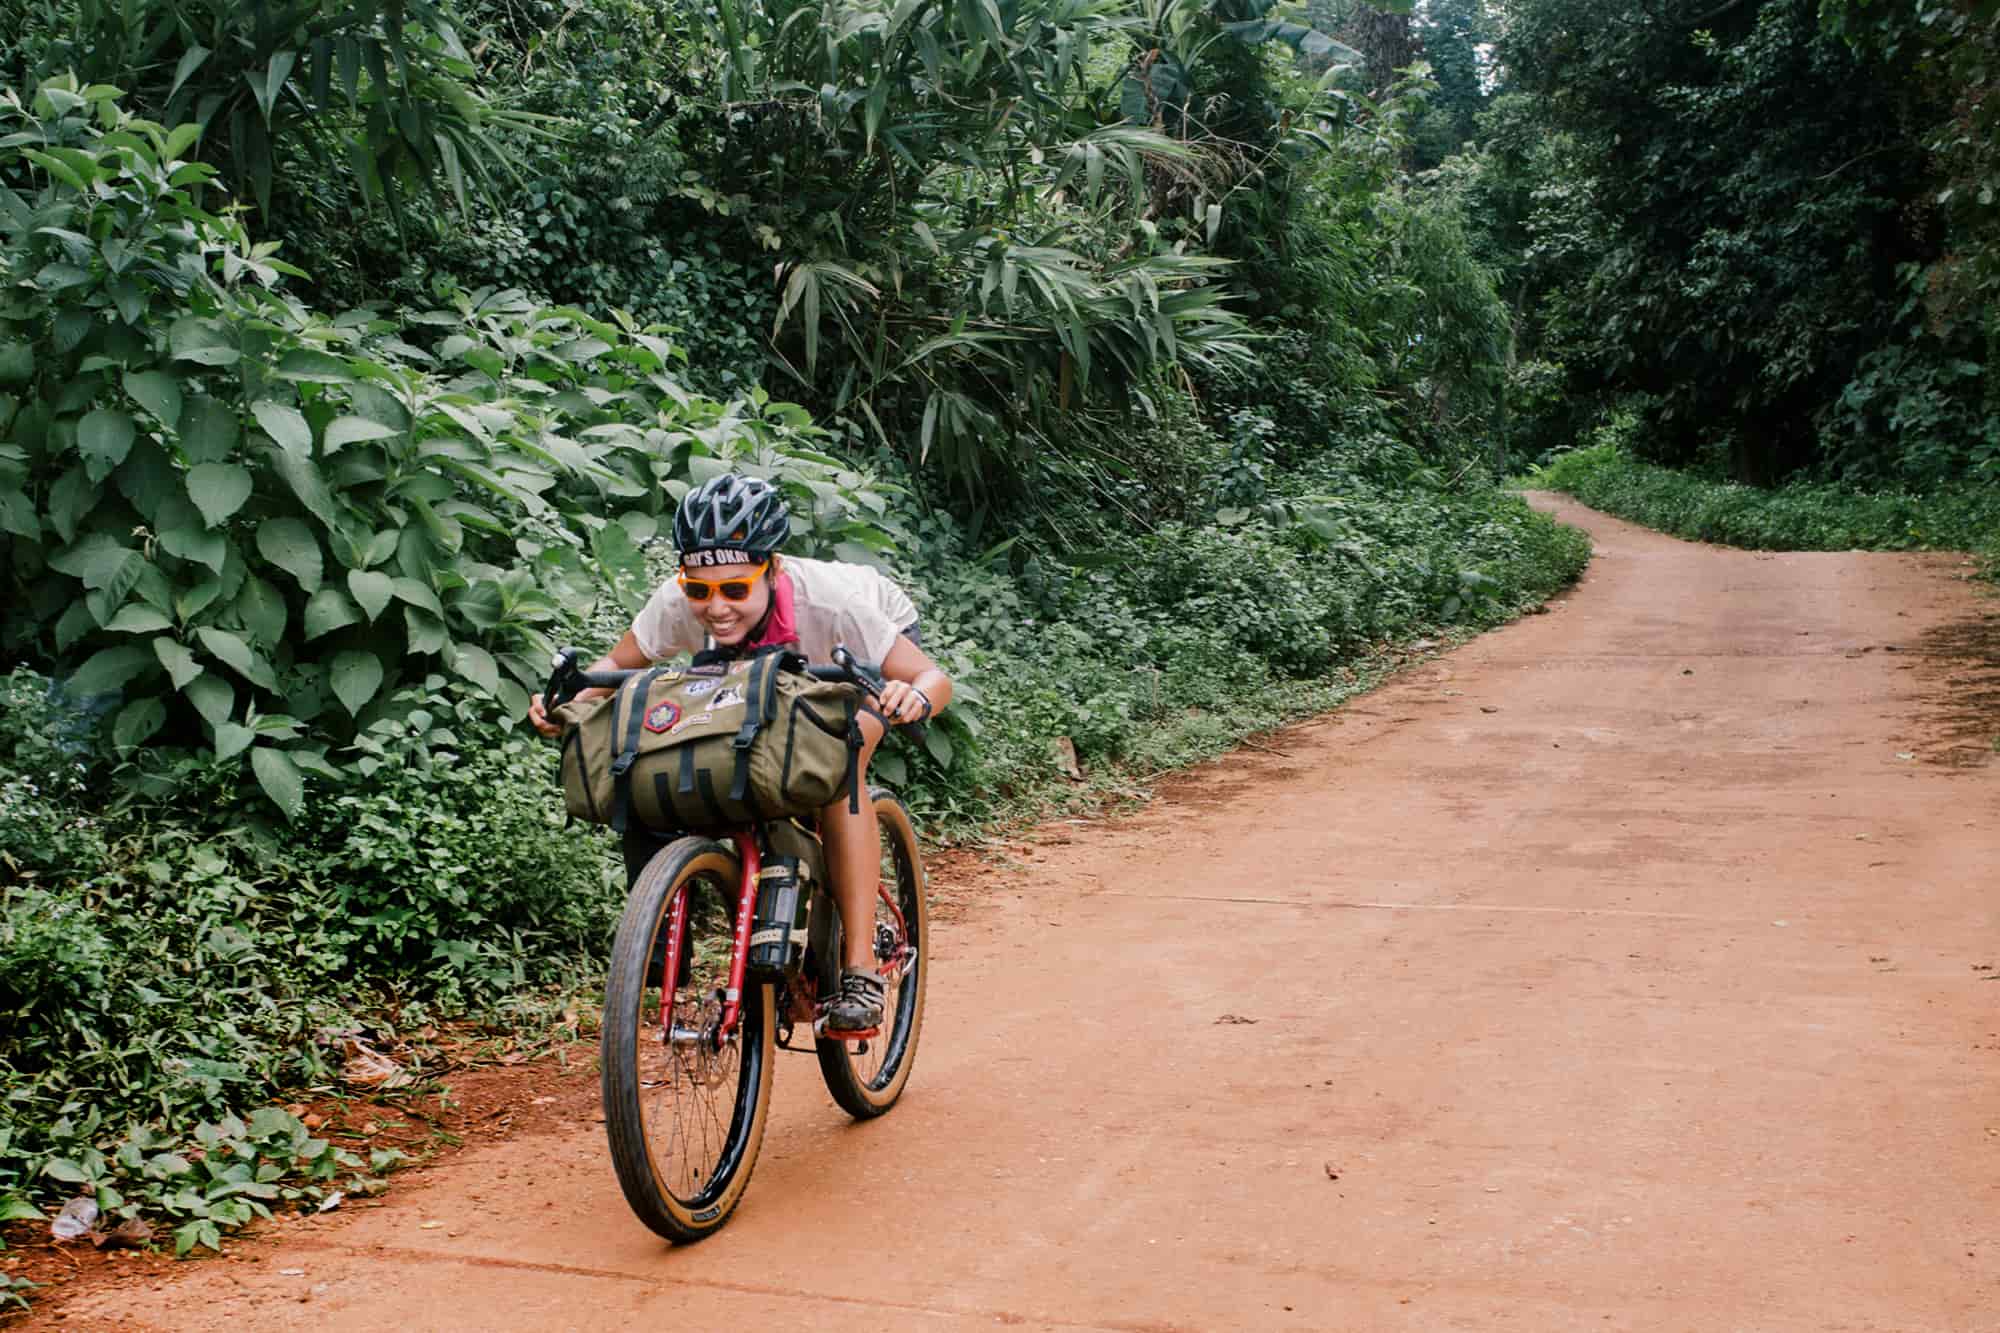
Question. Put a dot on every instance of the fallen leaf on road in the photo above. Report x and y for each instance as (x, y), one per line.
(1332, 1171)
(368, 1068)
(1235, 1018)
(133, 1233)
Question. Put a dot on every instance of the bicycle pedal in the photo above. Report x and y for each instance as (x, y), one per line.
(858, 1034)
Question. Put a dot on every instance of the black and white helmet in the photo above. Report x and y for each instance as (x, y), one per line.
(731, 520)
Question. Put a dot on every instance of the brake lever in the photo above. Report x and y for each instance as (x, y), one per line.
(562, 672)
(858, 672)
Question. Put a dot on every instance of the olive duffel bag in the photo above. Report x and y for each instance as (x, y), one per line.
(714, 745)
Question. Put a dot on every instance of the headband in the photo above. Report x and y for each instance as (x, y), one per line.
(719, 556)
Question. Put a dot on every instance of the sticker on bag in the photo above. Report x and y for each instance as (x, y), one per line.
(662, 717)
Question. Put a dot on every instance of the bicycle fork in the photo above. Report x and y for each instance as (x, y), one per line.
(739, 952)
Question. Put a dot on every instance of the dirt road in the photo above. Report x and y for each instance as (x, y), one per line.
(1628, 968)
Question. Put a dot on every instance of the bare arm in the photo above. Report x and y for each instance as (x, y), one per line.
(913, 677)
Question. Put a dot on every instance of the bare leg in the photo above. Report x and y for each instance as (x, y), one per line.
(854, 859)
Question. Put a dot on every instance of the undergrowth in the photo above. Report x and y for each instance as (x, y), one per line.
(1799, 516)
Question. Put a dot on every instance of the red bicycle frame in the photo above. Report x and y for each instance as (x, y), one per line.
(752, 862)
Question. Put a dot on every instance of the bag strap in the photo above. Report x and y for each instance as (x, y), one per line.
(632, 698)
(760, 701)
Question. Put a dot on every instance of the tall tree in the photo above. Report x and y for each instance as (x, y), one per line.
(1759, 203)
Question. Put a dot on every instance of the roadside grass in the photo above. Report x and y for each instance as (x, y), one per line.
(1799, 516)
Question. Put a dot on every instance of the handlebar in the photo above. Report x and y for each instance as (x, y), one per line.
(566, 680)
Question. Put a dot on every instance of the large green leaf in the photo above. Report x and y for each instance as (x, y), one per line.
(475, 664)
(426, 631)
(327, 610)
(183, 532)
(108, 669)
(419, 594)
(281, 780)
(314, 368)
(232, 738)
(238, 656)
(261, 607)
(290, 545)
(212, 696)
(97, 560)
(205, 342)
(179, 662)
(303, 476)
(137, 721)
(104, 437)
(349, 430)
(17, 514)
(355, 676)
(138, 618)
(372, 590)
(209, 430)
(218, 489)
(72, 497)
(284, 424)
(157, 392)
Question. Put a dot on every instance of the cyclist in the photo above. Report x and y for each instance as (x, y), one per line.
(736, 594)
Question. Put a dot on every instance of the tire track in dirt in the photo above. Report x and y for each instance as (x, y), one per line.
(1620, 969)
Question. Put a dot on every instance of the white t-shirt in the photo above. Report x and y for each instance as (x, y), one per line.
(832, 603)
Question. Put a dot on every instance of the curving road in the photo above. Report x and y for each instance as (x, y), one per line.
(1627, 968)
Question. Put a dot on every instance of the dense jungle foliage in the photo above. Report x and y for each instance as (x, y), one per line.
(1763, 236)
(1169, 351)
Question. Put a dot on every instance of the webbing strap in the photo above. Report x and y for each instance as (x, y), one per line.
(574, 741)
(632, 698)
(714, 807)
(760, 690)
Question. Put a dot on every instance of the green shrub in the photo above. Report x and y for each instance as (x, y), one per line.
(449, 856)
(249, 524)
(1799, 516)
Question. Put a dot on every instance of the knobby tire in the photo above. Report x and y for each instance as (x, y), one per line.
(645, 1081)
(867, 1085)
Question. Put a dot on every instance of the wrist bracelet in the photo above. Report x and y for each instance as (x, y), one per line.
(927, 702)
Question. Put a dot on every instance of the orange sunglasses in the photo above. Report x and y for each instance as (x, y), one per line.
(732, 590)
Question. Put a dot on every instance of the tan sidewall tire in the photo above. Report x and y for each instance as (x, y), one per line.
(855, 1097)
(624, 1122)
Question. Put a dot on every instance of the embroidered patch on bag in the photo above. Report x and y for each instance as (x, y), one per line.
(694, 721)
(663, 716)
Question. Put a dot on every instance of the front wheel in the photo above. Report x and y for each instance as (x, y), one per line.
(684, 1105)
(866, 1077)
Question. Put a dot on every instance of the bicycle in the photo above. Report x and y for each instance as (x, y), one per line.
(704, 988)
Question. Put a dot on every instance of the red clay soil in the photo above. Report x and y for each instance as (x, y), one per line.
(1627, 968)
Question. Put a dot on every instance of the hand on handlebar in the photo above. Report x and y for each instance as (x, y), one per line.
(903, 703)
(538, 716)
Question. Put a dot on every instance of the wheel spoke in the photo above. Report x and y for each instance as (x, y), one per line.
(691, 1107)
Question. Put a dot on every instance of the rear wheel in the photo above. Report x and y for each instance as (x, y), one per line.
(866, 1077)
(684, 1107)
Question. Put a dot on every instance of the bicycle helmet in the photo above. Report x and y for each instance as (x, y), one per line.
(731, 520)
